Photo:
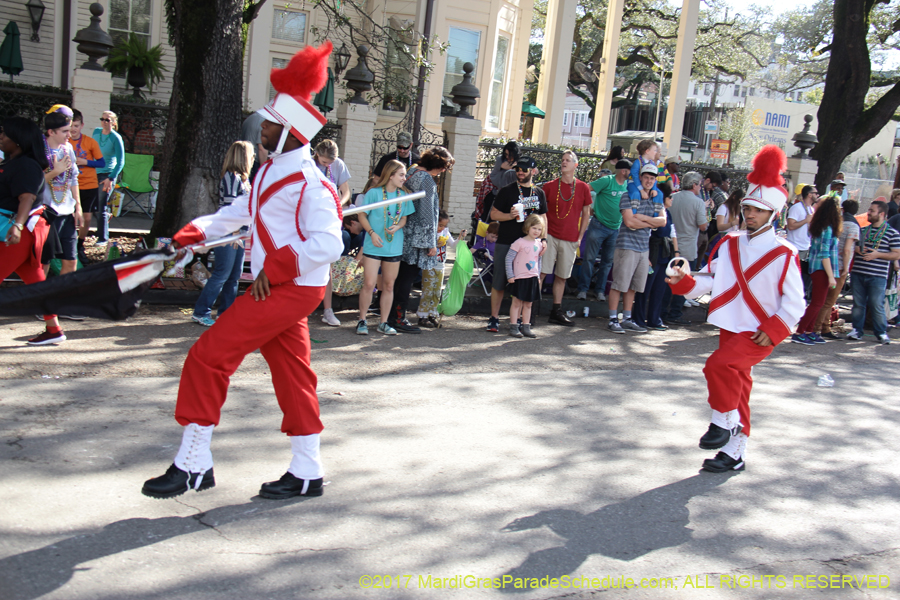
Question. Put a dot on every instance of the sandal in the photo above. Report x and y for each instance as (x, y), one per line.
(430, 323)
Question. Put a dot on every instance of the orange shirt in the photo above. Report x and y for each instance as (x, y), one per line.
(87, 147)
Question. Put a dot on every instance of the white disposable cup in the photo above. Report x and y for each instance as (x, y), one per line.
(520, 208)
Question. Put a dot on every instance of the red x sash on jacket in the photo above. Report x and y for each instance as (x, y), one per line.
(742, 287)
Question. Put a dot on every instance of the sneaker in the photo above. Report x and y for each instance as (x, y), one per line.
(854, 335)
(404, 326)
(581, 296)
(514, 331)
(71, 317)
(493, 325)
(362, 328)
(694, 303)
(829, 335)
(801, 338)
(329, 319)
(687, 304)
(386, 329)
(657, 327)
(614, 326)
(526, 330)
(601, 297)
(205, 321)
(629, 325)
(723, 463)
(100, 244)
(816, 338)
(884, 339)
(47, 338)
(678, 321)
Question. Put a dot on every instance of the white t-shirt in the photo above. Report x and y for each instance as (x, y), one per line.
(723, 212)
(799, 237)
(59, 195)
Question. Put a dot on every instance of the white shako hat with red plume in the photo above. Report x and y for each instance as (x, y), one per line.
(766, 183)
(304, 75)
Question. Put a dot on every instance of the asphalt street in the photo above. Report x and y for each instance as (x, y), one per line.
(456, 461)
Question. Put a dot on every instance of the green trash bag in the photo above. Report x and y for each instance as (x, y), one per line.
(459, 280)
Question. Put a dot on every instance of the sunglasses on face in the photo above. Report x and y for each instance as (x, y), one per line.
(104, 120)
(522, 169)
(403, 147)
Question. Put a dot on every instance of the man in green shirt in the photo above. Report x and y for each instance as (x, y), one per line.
(603, 229)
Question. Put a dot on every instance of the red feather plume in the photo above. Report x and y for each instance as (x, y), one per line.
(768, 164)
(305, 74)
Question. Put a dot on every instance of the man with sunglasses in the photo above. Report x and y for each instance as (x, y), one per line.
(405, 153)
(532, 199)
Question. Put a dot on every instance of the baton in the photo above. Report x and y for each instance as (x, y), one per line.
(380, 203)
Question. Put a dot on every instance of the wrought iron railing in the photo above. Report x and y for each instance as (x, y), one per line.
(30, 102)
(142, 126)
(332, 130)
(548, 161)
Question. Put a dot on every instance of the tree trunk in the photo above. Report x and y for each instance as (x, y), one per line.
(205, 108)
(844, 122)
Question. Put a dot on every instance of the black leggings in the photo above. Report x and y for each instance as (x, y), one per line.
(406, 277)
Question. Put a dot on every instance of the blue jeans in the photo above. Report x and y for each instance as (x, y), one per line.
(226, 271)
(868, 292)
(103, 208)
(599, 239)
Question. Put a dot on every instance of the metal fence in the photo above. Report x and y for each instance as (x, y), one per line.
(142, 126)
(31, 102)
(332, 130)
(865, 190)
(548, 161)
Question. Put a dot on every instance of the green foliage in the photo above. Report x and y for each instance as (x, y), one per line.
(135, 53)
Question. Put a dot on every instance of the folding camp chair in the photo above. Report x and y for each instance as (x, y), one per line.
(485, 264)
(134, 182)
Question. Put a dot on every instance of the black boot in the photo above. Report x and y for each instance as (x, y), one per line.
(289, 486)
(723, 463)
(558, 317)
(176, 482)
(716, 437)
(82, 256)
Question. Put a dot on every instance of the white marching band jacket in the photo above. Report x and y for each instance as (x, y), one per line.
(294, 218)
(756, 285)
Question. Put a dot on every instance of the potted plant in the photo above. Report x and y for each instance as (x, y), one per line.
(141, 65)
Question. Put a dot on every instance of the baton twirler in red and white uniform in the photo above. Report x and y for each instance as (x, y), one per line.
(294, 218)
(757, 300)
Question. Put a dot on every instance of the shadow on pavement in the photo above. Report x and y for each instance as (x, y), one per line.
(625, 530)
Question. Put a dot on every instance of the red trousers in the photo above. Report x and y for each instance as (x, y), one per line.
(817, 298)
(728, 376)
(277, 327)
(24, 258)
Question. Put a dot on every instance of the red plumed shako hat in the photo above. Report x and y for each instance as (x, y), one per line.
(766, 183)
(305, 75)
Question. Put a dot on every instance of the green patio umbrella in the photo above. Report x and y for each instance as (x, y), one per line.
(325, 98)
(10, 53)
(530, 110)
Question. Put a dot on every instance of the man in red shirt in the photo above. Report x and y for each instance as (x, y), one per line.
(568, 215)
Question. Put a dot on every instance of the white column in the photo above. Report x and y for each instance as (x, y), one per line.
(358, 122)
(259, 60)
(462, 142)
(681, 74)
(551, 96)
(90, 95)
(607, 75)
(802, 170)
